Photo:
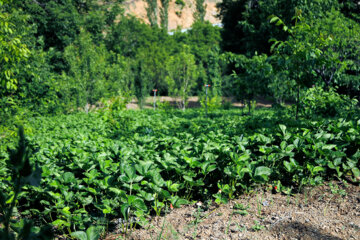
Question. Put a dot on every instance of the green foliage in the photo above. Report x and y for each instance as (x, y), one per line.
(246, 29)
(317, 102)
(151, 12)
(251, 77)
(87, 70)
(199, 14)
(117, 103)
(182, 74)
(91, 234)
(119, 77)
(180, 3)
(128, 35)
(164, 105)
(212, 103)
(125, 165)
(319, 48)
(142, 82)
(282, 87)
(313, 51)
(21, 173)
(351, 9)
(203, 39)
(80, 54)
(164, 14)
(13, 51)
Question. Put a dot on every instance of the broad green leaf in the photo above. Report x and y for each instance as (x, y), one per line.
(329, 147)
(139, 205)
(244, 157)
(274, 18)
(288, 166)
(130, 172)
(117, 191)
(283, 129)
(156, 177)
(318, 169)
(93, 233)
(260, 171)
(356, 172)
(263, 172)
(125, 208)
(80, 235)
(59, 223)
(187, 178)
(69, 177)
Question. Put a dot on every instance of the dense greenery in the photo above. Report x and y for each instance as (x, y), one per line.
(120, 164)
(68, 68)
(320, 45)
(60, 56)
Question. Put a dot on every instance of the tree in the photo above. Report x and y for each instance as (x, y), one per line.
(202, 38)
(129, 35)
(164, 14)
(152, 12)
(351, 9)
(182, 75)
(246, 29)
(214, 72)
(251, 76)
(87, 69)
(317, 52)
(12, 50)
(199, 14)
(120, 77)
(142, 81)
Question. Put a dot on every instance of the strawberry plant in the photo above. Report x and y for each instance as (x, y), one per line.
(95, 172)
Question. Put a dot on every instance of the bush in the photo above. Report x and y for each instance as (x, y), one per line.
(164, 105)
(213, 103)
(318, 102)
(227, 105)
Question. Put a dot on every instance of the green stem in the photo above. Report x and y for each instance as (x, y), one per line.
(10, 210)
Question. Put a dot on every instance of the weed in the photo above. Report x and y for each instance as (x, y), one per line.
(257, 226)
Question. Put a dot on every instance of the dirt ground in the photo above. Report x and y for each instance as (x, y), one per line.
(331, 211)
(193, 102)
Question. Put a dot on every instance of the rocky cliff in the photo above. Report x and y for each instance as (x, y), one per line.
(179, 14)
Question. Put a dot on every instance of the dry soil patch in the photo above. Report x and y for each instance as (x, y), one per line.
(317, 213)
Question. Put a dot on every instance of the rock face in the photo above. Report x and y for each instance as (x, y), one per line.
(179, 15)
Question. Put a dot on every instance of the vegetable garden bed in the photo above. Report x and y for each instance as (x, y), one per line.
(106, 166)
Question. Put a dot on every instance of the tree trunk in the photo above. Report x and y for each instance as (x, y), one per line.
(87, 107)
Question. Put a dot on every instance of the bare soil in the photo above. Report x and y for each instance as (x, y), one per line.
(331, 211)
(193, 102)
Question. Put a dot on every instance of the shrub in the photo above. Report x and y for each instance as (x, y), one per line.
(213, 103)
(318, 102)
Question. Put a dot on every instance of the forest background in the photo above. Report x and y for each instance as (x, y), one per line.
(59, 56)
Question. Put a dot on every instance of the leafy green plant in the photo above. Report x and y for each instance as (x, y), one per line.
(97, 170)
(164, 105)
(213, 103)
(92, 233)
(240, 209)
(257, 226)
(320, 103)
(22, 173)
(180, 3)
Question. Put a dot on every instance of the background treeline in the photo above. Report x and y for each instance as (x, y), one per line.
(61, 55)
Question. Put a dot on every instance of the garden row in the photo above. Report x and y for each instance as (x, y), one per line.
(126, 165)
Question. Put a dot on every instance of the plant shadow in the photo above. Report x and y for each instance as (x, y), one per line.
(298, 230)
